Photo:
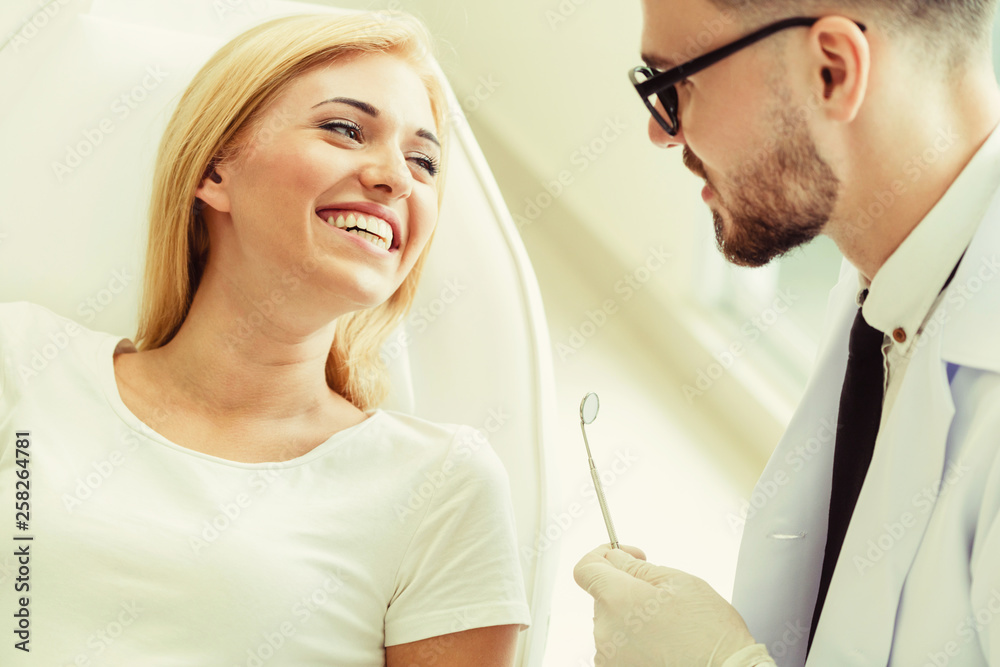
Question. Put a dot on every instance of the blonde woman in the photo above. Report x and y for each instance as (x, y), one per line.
(226, 491)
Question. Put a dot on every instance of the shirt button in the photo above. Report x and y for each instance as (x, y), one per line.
(899, 335)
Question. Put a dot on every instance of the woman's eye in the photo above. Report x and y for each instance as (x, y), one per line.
(428, 164)
(349, 130)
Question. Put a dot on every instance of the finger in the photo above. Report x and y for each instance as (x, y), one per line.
(636, 552)
(596, 575)
(640, 569)
(590, 566)
(595, 555)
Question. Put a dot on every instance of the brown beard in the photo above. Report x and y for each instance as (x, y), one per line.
(777, 201)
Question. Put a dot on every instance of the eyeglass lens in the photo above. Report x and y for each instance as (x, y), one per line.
(667, 97)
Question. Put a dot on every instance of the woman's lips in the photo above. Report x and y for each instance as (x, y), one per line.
(359, 240)
(367, 208)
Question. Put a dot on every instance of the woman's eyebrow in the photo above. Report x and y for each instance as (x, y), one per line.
(373, 112)
(429, 136)
(357, 104)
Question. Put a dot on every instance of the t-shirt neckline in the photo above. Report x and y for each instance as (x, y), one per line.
(109, 385)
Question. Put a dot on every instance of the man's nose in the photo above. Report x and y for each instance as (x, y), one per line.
(660, 137)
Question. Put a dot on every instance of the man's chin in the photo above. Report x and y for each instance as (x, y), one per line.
(736, 252)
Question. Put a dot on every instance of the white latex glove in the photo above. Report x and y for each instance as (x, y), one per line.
(651, 616)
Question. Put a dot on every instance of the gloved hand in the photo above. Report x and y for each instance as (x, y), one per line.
(648, 615)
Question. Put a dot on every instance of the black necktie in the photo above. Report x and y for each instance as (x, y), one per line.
(857, 427)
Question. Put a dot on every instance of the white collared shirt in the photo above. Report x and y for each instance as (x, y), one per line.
(907, 288)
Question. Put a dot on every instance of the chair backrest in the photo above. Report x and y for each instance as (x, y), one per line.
(88, 89)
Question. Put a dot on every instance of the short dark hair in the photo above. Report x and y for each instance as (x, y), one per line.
(954, 29)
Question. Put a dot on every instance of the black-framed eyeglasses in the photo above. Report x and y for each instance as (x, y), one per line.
(652, 84)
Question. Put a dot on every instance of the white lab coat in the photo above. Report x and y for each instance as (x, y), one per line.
(918, 579)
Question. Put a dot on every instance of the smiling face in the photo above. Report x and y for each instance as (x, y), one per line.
(337, 185)
(767, 186)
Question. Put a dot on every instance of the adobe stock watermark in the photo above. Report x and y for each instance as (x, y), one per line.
(34, 24)
(92, 306)
(704, 39)
(894, 531)
(102, 639)
(486, 86)
(121, 108)
(420, 319)
(795, 632)
(581, 158)
(40, 357)
(795, 461)
(958, 296)
(303, 609)
(967, 630)
(626, 288)
(560, 523)
(750, 332)
(914, 169)
(468, 443)
(223, 8)
(88, 484)
(244, 328)
(561, 13)
(266, 130)
(230, 512)
(435, 647)
(637, 617)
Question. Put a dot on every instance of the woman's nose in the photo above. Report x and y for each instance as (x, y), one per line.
(388, 171)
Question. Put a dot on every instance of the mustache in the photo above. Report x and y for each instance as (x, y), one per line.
(693, 163)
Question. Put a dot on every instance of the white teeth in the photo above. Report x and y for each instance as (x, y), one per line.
(371, 238)
(375, 230)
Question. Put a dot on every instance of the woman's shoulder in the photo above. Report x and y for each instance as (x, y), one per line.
(33, 336)
(443, 444)
(24, 320)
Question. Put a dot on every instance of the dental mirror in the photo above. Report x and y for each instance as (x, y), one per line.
(589, 407)
(588, 413)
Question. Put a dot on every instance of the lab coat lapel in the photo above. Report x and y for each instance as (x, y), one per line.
(973, 301)
(777, 577)
(781, 553)
(909, 464)
(888, 523)
(910, 461)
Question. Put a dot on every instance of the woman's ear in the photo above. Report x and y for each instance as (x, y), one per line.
(840, 56)
(213, 189)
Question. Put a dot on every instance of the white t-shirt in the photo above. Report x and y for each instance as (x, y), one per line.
(147, 553)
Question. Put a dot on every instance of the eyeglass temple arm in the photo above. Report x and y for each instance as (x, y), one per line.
(701, 62)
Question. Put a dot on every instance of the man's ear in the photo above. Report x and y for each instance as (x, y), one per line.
(213, 189)
(841, 59)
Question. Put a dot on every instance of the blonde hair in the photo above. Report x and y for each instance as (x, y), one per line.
(224, 102)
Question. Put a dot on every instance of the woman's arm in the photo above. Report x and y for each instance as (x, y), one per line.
(484, 647)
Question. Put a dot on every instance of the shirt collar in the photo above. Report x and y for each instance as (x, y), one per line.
(906, 286)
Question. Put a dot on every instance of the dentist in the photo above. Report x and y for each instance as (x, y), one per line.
(872, 122)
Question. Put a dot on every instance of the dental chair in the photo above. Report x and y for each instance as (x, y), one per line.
(88, 87)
